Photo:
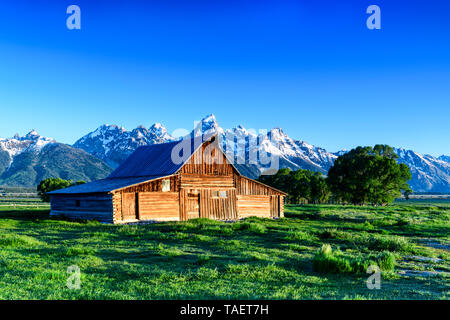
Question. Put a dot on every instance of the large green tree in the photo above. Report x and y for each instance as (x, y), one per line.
(52, 184)
(301, 185)
(368, 175)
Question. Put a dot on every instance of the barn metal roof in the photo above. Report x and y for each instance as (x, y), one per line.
(105, 185)
(148, 160)
(146, 163)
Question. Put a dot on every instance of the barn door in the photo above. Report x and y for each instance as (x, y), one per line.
(193, 205)
(130, 206)
(275, 206)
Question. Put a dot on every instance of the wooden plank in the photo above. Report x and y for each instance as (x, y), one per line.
(253, 205)
(204, 181)
(129, 206)
(246, 186)
(208, 160)
(159, 206)
(154, 186)
(183, 216)
(193, 206)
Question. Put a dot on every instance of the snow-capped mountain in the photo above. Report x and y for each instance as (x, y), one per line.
(428, 173)
(10, 148)
(248, 147)
(444, 158)
(25, 161)
(113, 144)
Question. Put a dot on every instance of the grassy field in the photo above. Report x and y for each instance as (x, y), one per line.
(250, 259)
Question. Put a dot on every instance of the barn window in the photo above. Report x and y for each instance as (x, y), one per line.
(165, 185)
(223, 194)
(215, 194)
(77, 203)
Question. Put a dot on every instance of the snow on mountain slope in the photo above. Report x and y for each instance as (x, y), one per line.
(428, 173)
(30, 142)
(25, 161)
(444, 158)
(113, 144)
(248, 146)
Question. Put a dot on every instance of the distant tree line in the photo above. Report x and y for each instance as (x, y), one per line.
(302, 186)
(52, 184)
(364, 175)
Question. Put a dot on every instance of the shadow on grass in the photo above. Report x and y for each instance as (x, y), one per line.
(25, 214)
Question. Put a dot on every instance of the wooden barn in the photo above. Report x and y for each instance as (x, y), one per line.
(150, 186)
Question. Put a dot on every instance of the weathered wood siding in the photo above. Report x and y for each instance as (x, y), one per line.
(117, 206)
(153, 186)
(282, 206)
(205, 181)
(208, 160)
(253, 205)
(162, 206)
(275, 206)
(246, 186)
(130, 208)
(219, 208)
(90, 206)
(183, 204)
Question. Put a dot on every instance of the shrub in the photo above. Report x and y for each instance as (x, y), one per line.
(386, 261)
(390, 243)
(327, 260)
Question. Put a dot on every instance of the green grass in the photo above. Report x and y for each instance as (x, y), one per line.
(315, 252)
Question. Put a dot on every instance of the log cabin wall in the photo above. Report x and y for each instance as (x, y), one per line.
(246, 186)
(208, 160)
(219, 204)
(282, 199)
(253, 206)
(159, 206)
(257, 199)
(153, 186)
(79, 206)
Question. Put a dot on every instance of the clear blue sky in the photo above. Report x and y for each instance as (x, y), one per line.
(310, 67)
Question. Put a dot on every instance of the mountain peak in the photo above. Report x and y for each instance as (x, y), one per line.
(157, 125)
(210, 118)
(158, 128)
(207, 126)
(32, 135)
